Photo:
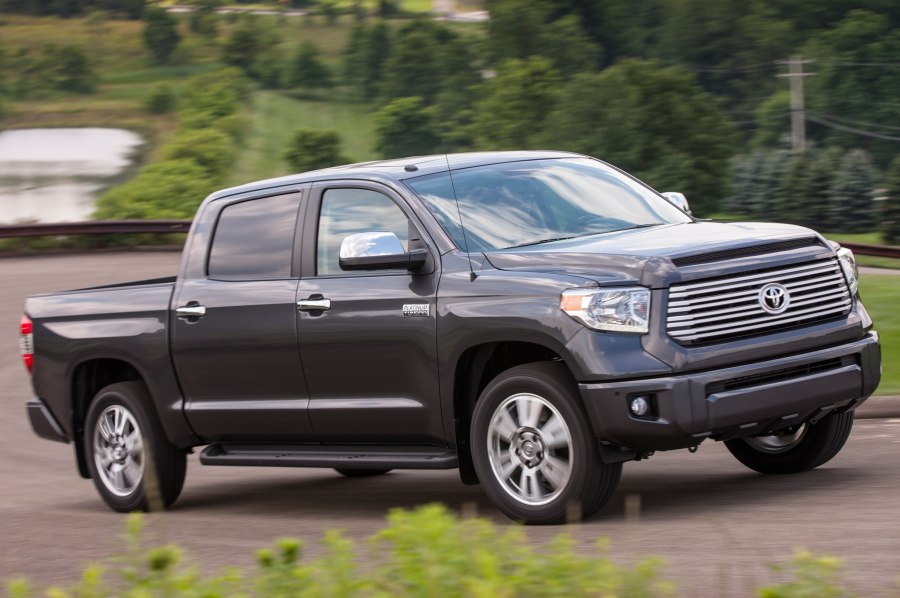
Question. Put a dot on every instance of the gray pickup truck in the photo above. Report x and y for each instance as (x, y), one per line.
(534, 319)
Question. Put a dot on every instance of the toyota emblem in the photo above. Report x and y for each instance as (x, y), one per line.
(774, 298)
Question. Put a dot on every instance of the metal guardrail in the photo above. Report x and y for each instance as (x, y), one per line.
(873, 250)
(99, 227)
(112, 227)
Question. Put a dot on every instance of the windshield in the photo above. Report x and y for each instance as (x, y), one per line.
(539, 201)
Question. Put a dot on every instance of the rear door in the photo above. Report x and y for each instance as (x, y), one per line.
(370, 358)
(234, 323)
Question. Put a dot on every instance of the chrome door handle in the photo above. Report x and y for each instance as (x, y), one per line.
(314, 304)
(190, 311)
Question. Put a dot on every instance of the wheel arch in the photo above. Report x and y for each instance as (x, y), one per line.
(87, 379)
(475, 368)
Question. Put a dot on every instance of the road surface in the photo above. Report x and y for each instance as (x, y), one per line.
(717, 524)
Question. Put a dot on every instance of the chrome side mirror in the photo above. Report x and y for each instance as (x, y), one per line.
(378, 251)
(678, 200)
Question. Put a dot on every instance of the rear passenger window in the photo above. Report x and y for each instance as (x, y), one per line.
(255, 239)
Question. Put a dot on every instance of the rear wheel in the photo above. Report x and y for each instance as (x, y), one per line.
(795, 449)
(533, 449)
(360, 473)
(133, 465)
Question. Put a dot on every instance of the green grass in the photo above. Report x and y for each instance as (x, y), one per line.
(881, 295)
(274, 118)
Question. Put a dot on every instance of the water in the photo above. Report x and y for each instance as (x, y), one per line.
(55, 175)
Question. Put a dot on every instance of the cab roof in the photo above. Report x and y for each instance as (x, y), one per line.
(396, 169)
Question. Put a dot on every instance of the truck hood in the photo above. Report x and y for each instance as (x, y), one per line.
(634, 255)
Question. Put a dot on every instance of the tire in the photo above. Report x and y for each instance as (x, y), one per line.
(797, 449)
(133, 465)
(360, 473)
(533, 449)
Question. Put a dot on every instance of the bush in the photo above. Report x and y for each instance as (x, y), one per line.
(311, 149)
(170, 189)
(425, 552)
(210, 149)
(161, 100)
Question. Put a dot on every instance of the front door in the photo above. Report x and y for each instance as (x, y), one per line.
(234, 327)
(370, 358)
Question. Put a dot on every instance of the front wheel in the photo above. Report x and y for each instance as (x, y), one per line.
(795, 449)
(533, 450)
(133, 465)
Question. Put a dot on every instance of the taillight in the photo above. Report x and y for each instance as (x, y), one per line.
(26, 342)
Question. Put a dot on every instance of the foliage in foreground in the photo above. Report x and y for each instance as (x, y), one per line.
(427, 552)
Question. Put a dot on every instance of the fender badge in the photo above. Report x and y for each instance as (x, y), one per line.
(416, 310)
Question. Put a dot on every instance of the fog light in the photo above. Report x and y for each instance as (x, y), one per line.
(640, 406)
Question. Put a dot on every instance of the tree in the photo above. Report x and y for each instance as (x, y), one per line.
(160, 34)
(651, 120)
(515, 27)
(203, 19)
(850, 199)
(243, 47)
(311, 149)
(855, 84)
(794, 203)
(516, 103)
(824, 167)
(891, 214)
(565, 42)
(404, 127)
(413, 67)
(308, 69)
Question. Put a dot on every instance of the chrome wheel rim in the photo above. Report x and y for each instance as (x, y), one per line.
(119, 450)
(780, 442)
(530, 449)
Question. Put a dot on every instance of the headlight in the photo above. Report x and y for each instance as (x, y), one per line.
(848, 265)
(623, 309)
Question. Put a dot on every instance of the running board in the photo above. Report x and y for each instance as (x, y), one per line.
(342, 457)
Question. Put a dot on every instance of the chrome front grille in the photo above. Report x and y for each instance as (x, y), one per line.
(726, 308)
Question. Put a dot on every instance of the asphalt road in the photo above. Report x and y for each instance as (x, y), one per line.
(717, 524)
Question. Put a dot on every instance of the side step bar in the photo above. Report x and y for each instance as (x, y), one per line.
(317, 455)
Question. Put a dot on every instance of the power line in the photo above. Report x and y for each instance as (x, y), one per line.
(879, 64)
(750, 68)
(854, 130)
(859, 122)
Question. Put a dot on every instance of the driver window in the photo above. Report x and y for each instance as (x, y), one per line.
(345, 212)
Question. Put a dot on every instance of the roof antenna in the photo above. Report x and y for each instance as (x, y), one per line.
(472, 275)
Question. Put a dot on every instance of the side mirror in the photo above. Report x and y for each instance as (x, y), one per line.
(678, 200)
(379, 251)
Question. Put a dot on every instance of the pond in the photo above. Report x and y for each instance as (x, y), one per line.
(56, 175)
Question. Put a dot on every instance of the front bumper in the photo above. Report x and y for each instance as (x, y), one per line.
(736, 401)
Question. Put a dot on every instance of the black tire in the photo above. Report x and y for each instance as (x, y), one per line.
(817, 445)
(151, 471)
(360, 473)
(588, 482)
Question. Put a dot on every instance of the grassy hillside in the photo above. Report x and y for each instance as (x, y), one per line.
(881, 294)
(274, 118)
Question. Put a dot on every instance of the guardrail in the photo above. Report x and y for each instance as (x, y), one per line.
(99, 227)
(112, 227)
(873, 250)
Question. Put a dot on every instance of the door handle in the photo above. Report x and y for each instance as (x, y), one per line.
(190, 311)
(317, 304)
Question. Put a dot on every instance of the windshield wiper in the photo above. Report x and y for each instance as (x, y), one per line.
(541, 242)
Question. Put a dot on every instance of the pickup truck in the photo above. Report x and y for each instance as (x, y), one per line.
(534, 319)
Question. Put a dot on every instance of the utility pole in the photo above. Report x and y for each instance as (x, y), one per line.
(795, 75)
